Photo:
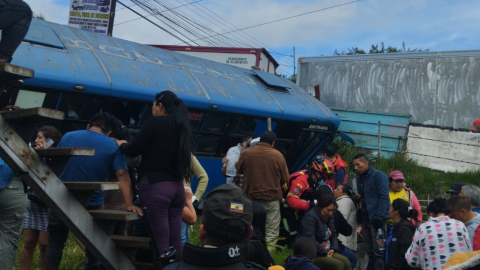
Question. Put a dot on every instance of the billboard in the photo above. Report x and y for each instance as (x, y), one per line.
(90, 15)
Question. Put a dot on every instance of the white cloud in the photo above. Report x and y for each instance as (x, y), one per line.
(53, 10)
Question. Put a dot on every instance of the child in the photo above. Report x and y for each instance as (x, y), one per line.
(304, 251)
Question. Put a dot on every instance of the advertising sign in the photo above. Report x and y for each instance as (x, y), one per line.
(90, 15)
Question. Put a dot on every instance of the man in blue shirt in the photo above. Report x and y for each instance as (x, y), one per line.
(95, 168)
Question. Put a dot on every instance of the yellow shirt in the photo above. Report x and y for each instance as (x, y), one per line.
(397, 195)
(202, 177)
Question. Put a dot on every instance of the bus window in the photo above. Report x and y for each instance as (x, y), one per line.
(29, 99)
(215, 123)
(81, 107)
(307, 142)
(196, 119)
(206, 145)
(237, 127)
(288, 130)
(129, 112)
(146, 115)
(231, 141)
(283, 146)
(240, 124)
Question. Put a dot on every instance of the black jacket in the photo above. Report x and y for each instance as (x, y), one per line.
(402, 235)
(294, 263)
(227, 257)
(257, 252)
(314, 226)
(341, 226)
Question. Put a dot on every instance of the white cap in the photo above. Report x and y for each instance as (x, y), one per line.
(254, 142)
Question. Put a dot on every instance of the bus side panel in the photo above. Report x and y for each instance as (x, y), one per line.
(213, 167)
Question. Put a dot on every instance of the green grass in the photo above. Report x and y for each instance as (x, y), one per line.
(73, 256)
(281, 255)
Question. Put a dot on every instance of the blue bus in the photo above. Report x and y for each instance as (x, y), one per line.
(83, 73)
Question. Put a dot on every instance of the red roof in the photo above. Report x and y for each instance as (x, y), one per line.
(256, 51)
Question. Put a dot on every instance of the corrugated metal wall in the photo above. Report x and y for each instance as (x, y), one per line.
(435, 88)
(362, 126)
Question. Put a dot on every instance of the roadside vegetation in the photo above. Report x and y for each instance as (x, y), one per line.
(423, 181)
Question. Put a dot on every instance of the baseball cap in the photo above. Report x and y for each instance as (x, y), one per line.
(254, 141)
(456, 187)
(476, 121)
(396, 175)
(227, 202)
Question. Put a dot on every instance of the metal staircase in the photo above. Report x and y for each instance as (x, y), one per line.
(17, 127)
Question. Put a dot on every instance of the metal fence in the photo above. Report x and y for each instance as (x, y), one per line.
(424, 205)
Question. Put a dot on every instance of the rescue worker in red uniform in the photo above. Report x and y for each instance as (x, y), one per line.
(302, 189)
(339, 165)
(302, 184)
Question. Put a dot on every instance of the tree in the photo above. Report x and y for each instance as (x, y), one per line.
(39, 16)
(375, 48)
(293, 78)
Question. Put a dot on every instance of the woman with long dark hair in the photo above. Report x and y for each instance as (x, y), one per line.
(36, 221)
(165, 143)
(402, 234)
(318, 224)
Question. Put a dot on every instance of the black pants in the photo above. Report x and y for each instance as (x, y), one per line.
(58, 234)
(15, 18)
(375, 256)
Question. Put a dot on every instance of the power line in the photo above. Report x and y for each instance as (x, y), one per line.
(179, 23)
(287, 18)
(242, 34)
(219, 26)
(153, 14)
(282, 54)
(124, 8)
(152, 22)
(212, 23)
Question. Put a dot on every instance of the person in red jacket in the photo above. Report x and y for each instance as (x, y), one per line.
(339, 165)
(302, 189)
(303, 183)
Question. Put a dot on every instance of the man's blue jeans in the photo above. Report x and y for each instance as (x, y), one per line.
(184, 233)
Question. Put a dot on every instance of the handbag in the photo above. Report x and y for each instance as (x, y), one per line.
(34, 198)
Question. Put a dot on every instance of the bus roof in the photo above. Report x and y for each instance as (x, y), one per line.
(64, 57)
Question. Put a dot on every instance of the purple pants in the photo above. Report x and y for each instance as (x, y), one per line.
(164, 202)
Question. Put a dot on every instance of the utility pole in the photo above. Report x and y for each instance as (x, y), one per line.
(294, 69)
(111, 18)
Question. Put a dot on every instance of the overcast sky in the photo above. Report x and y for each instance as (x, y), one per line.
(437, 25)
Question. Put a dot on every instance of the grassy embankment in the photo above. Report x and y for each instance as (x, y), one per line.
(423, 181)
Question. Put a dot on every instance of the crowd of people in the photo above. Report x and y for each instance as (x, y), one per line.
(323, 218)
